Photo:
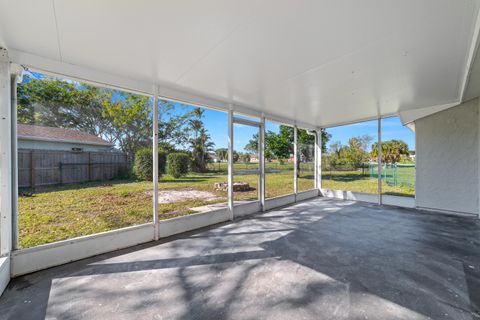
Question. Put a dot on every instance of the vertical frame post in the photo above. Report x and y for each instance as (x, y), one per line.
(230, 162)
(155, 163)
(295, 161)
(379, 160)
(261, 155)
(318, 160)
(6, 208)
(14, 81)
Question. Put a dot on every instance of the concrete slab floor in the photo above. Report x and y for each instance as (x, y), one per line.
(321, 259)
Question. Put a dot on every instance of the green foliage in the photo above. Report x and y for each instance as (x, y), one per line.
(143, 164)
(405, 159)
(119, 117)
(200, 142)
(177, 164)
(124, 173)
(245, 158)
(352, 155)
(236, 156)
(280, 145)
(129, 116)
(222, 153)
(173, 126)
(122, 118)
(392, 151)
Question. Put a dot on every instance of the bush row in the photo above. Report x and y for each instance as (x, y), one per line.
(175, 164)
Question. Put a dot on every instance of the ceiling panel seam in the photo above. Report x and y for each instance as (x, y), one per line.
(334, 60)
(56, 30)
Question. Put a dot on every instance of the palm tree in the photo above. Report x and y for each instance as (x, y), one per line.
(392, 150)
(201, 142)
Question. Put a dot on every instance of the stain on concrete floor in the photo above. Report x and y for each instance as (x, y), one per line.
(321, 259)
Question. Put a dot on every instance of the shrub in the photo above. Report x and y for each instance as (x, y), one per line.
(162, 162)
(124, 173)
(143, 164)
(177, 164)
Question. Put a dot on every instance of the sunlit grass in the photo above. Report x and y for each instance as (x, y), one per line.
(63, 212)
(357, 182)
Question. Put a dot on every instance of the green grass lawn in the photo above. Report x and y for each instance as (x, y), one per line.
(63, 212)
(357, 182)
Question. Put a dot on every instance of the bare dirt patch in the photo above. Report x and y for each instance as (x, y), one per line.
(168, 196)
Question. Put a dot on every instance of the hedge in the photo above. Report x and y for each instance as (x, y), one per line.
(177, 164)
(143, 164)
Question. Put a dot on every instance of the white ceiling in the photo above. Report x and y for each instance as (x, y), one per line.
(319, 62)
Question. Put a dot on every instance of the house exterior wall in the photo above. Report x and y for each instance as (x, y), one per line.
(447, 175)
(64, 146)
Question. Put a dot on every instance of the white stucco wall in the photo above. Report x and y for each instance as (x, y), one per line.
(66, 146)
(448, 159)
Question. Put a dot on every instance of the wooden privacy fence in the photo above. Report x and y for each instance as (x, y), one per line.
(48, 167)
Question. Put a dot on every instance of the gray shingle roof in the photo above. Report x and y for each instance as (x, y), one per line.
(33, 132)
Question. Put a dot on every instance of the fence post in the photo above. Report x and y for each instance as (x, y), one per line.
(395, 171)
(385, 173)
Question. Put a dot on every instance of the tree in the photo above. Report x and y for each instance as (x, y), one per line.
(58, 103)
(123, 118)
(200, 142)
(305, 144)
(392, 151)
(131, 122)
(173, 126)
(119, 117)
(252, 145)
(280, 145)
(354, 154)
(236, 156)
(356, 151)
(222, 153)
(245, 158)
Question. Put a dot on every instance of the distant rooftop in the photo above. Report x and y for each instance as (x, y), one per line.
(41, 133)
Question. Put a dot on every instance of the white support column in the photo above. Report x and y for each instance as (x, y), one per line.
(261, 155)
(5, 156)
(295, 161)
(13, 94)
(318, 159)
(155, 163)
(230, 162)
(379, 160)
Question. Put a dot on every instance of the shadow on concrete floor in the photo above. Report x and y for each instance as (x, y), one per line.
(323, 259)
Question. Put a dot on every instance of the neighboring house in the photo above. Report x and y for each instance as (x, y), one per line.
(213, 157)
(50, 138)
(411, 155)
(254, 158)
